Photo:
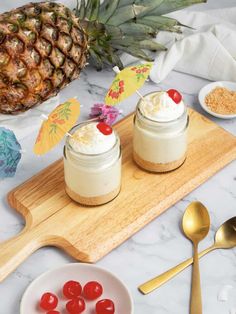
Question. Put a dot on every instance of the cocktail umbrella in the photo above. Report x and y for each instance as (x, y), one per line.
(10, 153)
(56, 125)
(127, 82)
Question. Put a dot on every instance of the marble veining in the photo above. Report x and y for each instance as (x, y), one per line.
(160, 244)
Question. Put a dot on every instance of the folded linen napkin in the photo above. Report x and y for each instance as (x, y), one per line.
(207, 51)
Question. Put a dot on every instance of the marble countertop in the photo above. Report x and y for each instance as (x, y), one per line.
(157, 247)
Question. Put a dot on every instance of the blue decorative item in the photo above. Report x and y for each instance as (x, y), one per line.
(9, 153)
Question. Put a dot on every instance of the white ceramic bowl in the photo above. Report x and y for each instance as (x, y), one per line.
(53, 281)
(207, 89)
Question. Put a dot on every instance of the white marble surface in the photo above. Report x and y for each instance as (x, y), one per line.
(159, 245)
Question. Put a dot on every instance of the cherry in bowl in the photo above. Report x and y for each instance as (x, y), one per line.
(92, 290)
(72, 289)
(48, 301)
(76, 306)
(105, 306)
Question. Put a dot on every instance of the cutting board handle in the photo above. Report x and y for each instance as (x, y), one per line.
(14, 251)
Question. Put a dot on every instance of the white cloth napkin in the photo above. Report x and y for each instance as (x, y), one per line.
(208, 51)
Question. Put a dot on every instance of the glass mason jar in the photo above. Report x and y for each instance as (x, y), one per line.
(92, 179)
(159, 146)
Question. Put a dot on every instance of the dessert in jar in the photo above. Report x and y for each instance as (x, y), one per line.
(160, 131)
(92, 163)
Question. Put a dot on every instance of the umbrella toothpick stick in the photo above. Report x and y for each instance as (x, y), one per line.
(140, 95)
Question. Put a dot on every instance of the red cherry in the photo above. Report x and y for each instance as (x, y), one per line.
(175, 95)
(104, 128)
(48, 301)
(92, 290)
(72, 289)
(75, 306)
(105, 306)
(53, 312)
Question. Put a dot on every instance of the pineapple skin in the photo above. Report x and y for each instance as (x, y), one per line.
(43, 47)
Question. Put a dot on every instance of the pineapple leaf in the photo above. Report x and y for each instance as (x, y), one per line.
(151, 45)
(81, 12)
(88, 10)
(126, 13)
(123, 3)
(114, 32)
(155, 21)
(107, 10)
(76, 10)
(130, 39)
(143, 44)
(125, 41)
(161, 23)
(150, 5)
(168, 6)
(95, 10)
(133, 29)
(134, 51)
(115, 60)
(96, 59)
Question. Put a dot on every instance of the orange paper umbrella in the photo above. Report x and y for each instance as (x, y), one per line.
(127, 82)
(56, 125)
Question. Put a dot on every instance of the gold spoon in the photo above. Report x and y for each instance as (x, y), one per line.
(196, 225)
(225, 238)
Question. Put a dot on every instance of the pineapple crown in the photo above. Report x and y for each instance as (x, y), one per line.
(127, 25)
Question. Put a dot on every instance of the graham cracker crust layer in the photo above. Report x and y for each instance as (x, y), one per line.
(158, 167)
(92, 201)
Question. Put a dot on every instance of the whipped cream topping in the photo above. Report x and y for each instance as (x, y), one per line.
(160, 107)
(89, 140)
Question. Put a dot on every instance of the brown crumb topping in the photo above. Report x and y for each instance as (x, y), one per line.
(221, 100)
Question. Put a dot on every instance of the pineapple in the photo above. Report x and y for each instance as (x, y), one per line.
(44, 46)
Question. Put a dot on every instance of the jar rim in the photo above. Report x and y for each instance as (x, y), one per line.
(67, 143)
(159, 121)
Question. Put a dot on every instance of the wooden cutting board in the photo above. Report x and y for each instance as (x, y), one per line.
(88, 234)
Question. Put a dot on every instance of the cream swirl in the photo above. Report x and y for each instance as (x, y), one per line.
(89, 140)
(159, 106)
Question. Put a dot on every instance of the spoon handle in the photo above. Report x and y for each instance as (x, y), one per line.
(196, 297)
(156, 282)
